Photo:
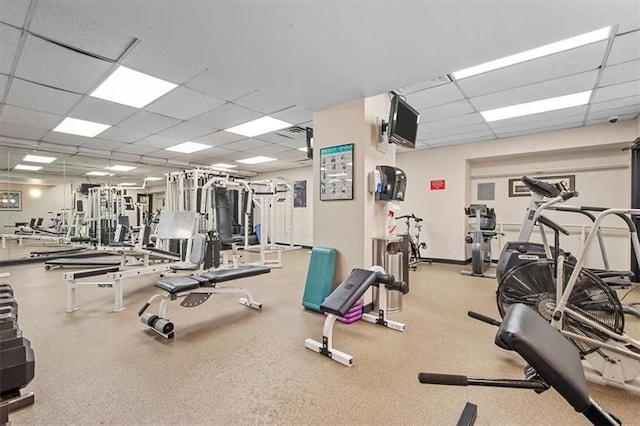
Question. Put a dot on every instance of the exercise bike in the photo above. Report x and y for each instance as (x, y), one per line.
(414, 240)
(578, 303)
(552, 362)
(480, 240)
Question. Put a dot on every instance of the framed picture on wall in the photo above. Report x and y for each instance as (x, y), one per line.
(11, 201)
(519, 189)
(300, 193)
(336, 173)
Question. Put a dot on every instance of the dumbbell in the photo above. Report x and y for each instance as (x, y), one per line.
(18, 362)
(160, 324)
(5, 289)
(9, 302)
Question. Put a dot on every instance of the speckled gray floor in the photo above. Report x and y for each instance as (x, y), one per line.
(229, 364)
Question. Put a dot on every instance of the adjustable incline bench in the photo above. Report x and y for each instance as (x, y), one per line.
(196, 290)
(344, 297)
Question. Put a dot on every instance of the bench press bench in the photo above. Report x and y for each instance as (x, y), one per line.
(338, 303)
(196, 290)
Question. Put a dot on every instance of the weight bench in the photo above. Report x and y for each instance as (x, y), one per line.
(554, 362)
(196, 290)
(344, 297)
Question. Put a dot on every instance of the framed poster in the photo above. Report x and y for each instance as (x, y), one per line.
(300, 193)
(519, 189)
(336, 173)
(11, 201)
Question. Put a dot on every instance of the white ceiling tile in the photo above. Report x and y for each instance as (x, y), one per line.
(625, 48)
(21, 132)
(450, 123)
(184, 131)
(47, 63)
(511, 134)
(246, 144)
(211, 83)
(456, 131)
(219, 138)
(628, 25)
(441, 112)
(118, 134)
(258, 101)
(97, 143)
(539, 123)
(620, 73)
(537, 91)
(41, 98)
(160, 63)
(616, 103)
(184, 103)
(281, 137)
(578, 111)
(271, 150)
(292, 155)
(148, 122)
(292, 143)
(65, 139)
(158, 142)
(603, 120)
(616, 91)
(573, 61)
(3, 84)
(225, 116)
(100, 111)
(631, 109)
(10, 38)
(14, 12)
(434, 96)
(29, 117)
(136, 149)
(422, 85)
(294, 115)
(217, 152)
(66, 26)
(161, 153)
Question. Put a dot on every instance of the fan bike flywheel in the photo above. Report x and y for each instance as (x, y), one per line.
(534, 285)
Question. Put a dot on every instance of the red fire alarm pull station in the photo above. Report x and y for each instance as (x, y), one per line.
(438, 185)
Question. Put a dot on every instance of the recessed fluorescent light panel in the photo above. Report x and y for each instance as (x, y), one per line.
(256, 160)
(224, 166)
(25, 167)
(128, 184)
(75, 126)
(38, 159)
(99, 174)
(133, 88)
(188, 147)
(303, 149)
(538, 52)
(120, 168)
(153, 178)
(259, 126)
(536, 107)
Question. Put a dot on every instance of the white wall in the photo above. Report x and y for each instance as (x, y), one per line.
(588, 152)
(52, 199)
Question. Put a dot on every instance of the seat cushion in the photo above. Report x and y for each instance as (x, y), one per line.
(175, 285)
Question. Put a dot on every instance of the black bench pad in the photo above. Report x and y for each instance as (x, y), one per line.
(222, 275)
(175, 285)
(348, 292)
(545, 349)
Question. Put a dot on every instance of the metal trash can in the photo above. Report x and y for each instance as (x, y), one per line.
(388, 252)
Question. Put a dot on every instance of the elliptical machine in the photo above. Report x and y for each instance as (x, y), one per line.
(414, 240)
(480, 240)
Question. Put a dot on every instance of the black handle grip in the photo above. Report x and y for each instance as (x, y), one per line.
(569, 194)
(400, 286)
(144, 308)
(483, 318)
(443, 379)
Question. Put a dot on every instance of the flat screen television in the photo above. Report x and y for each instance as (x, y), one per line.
(403, 123)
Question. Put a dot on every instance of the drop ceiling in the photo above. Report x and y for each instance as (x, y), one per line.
(237, 61)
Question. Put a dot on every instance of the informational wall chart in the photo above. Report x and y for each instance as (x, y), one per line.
(336, 173)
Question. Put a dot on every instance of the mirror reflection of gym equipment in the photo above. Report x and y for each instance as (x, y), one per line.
(480, 240)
